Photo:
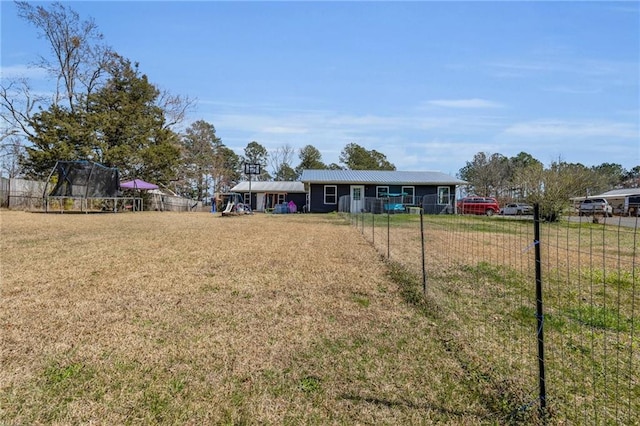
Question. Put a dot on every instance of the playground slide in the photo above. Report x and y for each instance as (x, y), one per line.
(228, 208)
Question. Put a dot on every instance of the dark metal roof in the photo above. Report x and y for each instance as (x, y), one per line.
(379, 177)
(269, 186)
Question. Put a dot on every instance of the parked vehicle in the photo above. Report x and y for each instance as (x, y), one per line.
(632, 205)
(592, 206)
(478, 205)
(516, 209)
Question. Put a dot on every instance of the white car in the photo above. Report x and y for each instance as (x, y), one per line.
(516, 209)
(592, 206)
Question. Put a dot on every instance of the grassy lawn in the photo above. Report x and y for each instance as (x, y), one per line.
(191, 318)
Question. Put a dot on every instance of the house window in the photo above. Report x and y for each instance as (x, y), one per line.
(330, 194)
(443, 195)
(409, 192)
(382, 191)
(247, 198)
(272, 200)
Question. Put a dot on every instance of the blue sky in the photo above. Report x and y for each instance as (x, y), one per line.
(428, 84)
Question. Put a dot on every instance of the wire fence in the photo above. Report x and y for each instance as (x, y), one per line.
(543, 316)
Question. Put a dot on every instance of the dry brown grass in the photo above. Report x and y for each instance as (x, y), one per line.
(191, 318)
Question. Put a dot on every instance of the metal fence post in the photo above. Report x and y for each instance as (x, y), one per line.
(539, 311)
(373, 229)
(388, 234)
(424, 270)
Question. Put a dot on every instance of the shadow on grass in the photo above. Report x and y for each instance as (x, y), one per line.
(400, 403)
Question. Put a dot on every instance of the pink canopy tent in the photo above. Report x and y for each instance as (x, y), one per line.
(137, 184)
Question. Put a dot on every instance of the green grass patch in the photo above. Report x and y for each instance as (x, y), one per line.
(497, 274)
(310, 384)
(584, 225)
(526, 315)
(61, 384)
(367, 220)
(616, 279)
(57, 375)
(486, 225)
(411, 290)
(361, 299)
(600, 317)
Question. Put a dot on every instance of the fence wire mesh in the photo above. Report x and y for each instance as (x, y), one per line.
(481, 283)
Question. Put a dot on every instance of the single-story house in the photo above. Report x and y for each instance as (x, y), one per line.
(624, 201)
(266, 195)
(435, 191)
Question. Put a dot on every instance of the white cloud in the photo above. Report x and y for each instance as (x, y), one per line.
(465, 103)
(518, 68)
(22, 71)
(407, 138)
(564, 129)
(602, 72)
(573, 90)
(285, 130)
(417, 139)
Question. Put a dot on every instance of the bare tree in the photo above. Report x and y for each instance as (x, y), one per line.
(78, 66)
(280, 157)
(16, 106)
(78, 54)
(175, 107)
(10, 151)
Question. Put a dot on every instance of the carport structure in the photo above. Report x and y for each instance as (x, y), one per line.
(625, 201)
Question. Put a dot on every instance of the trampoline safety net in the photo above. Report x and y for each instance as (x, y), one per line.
(85, 179)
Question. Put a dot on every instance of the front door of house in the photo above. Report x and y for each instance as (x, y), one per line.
(260, 202)
(357, 198)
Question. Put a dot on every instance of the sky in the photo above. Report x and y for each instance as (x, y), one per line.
(428, 84)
